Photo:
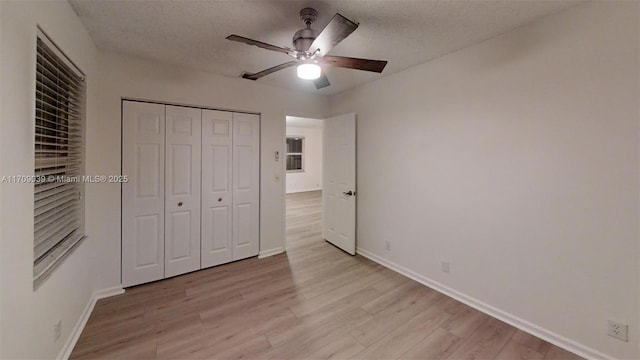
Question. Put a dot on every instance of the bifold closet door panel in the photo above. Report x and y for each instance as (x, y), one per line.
(246, 185)
(216, 187)
(182, 190)
(143, 144)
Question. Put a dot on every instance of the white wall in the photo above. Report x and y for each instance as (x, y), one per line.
(135, 78)
(516, 160)
(28, 316)
(311, 178)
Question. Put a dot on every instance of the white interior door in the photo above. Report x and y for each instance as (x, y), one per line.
(143, 137)
(182, 190)
(339, 182)
(217, 149)
(246, 185)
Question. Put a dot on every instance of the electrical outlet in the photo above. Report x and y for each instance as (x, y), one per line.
(618, 330)
(444, 266)
(387, 245)
(57, 330)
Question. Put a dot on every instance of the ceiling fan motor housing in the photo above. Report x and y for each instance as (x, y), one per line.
(304, 37)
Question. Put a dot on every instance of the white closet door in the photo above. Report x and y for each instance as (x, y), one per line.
(182, 190)
(216, 187)
(143, 135)
(246, 185)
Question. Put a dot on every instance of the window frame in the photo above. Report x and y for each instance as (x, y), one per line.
(302, 154)
(63, 122)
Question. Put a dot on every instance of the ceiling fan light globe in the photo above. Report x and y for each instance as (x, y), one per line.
(309, 71)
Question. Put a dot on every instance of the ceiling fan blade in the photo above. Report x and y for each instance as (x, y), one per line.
(268, 71)
(257, 43)
(322, 81)
(355, 63)
(337, 30)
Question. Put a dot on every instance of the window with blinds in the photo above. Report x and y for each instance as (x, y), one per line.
(295, 154)
(59, 158)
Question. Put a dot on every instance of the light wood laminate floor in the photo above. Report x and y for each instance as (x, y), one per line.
(314, 302)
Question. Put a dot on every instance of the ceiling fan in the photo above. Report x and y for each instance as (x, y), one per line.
(310, 50)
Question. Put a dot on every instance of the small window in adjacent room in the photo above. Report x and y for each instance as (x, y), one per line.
(295, 154)
(59, 158)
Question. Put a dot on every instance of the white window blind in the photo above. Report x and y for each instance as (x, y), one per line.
(59, 158)
(295, 154)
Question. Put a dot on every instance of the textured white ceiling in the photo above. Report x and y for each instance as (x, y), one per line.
(303, 122)
(405, 32)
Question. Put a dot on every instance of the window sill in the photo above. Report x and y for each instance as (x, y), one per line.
(40, 274)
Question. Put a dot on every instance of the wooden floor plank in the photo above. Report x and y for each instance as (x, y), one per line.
(516, 351)
(556, 353)
(536, 344)
(437, 345)
(406, 307)
(465, 322)
(486, 342)
(406, 335)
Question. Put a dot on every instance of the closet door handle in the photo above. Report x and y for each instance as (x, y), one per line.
(219, 199)
(180, 203)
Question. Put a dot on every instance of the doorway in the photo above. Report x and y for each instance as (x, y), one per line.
(335, 194)
(303, 181)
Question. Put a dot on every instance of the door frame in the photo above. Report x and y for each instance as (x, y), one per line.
(283, 165)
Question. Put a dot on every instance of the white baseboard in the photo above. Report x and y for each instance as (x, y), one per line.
(302, 190)
(82, 321)
(270, 252)
(510, 319)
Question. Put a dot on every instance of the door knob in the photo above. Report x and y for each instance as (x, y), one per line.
(349, 193)
(219, 199)
(180, 203)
